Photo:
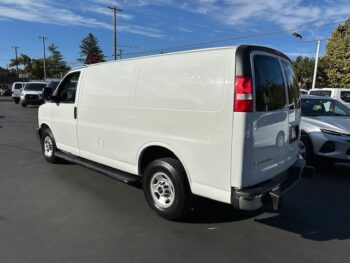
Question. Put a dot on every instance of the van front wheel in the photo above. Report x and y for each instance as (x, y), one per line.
(48, 146)
(166, 188)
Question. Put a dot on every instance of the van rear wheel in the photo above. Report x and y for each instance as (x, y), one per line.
(166, 188)
(48, 146)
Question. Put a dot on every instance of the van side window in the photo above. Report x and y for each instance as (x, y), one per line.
(67, 89)
(269, 84)
(345, 96)
(292, 85)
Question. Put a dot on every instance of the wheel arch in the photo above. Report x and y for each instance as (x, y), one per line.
(42, 127)
(152, 151)
(306, 134)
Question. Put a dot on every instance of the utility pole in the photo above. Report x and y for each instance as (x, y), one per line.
(298, 35)
(316, 63)
(43, 38)
(16, 54)
(115, 10)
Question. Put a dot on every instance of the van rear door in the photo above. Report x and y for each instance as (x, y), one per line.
(294, 112)
(270, 118)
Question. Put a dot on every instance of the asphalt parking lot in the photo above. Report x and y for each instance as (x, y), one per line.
(66, 213)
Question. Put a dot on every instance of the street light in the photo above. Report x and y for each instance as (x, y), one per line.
(298, 35)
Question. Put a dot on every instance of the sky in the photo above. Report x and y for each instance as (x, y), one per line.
(151, 26)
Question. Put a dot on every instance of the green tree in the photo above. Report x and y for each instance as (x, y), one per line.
(90, 51)
(36, 69)
(304, 67)
(56, 66)
(338, 57)
(33, 67)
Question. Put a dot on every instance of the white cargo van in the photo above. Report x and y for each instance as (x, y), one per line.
(16, 91)
(31, 94)
(221, 123)
(342, 95)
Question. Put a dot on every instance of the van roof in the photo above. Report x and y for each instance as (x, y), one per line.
(191, 51)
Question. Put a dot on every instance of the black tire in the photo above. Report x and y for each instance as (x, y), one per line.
(24, 104)
(174, 171)
(51, 158)
(308, 149)
(16, 101)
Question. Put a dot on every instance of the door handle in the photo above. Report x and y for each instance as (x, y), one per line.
(75, 112)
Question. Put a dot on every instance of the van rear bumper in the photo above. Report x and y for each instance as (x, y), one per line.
(254, 197)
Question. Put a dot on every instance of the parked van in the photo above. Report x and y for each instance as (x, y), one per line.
(32, 93)
(197, 122)
(342, 95)
(16, 91)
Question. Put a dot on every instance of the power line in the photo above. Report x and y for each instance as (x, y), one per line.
(228, 39)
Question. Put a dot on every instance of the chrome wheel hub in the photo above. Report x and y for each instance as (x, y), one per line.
(48, 147)
(162, 190)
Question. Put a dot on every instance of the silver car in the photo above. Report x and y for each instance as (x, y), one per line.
(325, 129)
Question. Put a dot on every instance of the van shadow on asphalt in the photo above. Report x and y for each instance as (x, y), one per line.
(206, 211)
(317, 210)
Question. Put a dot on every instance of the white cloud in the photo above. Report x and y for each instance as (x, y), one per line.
(185, 29)
(49, 12)
(286, 14)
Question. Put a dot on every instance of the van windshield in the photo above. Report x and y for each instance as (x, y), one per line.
(322, 93)
(269, 84)
(35, 86)
(18, 85)
(323, 107)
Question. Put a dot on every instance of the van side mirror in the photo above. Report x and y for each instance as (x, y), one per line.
(47, 93)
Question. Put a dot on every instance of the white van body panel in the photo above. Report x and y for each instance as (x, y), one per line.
(64, 124)
(180, 105)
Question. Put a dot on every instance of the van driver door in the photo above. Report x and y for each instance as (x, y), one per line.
(64, 113)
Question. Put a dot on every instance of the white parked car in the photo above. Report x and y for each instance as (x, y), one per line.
(194, 122)
(31, 94)
(16, 91)
(325, 130)
(342, 95)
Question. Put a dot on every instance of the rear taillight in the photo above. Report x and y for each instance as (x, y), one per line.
(243, 100)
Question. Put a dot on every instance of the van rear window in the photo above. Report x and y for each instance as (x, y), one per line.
(18, 86)
(269, 86)
(292, 84)
(345, 96)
